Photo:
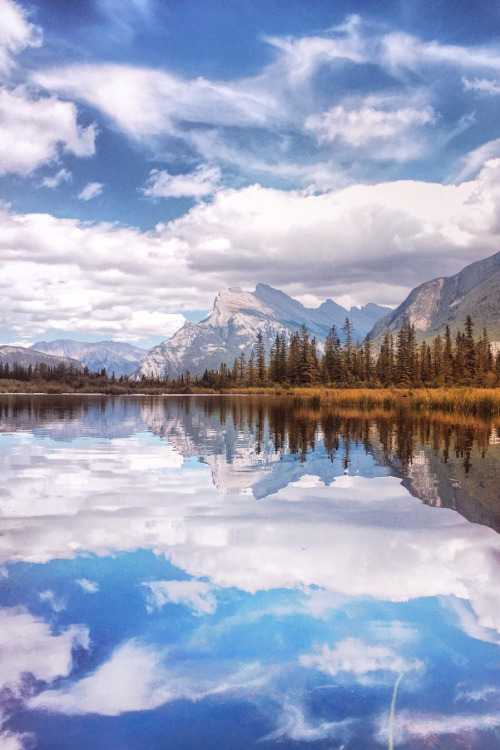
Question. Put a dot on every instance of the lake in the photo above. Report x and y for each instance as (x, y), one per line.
(245, 572)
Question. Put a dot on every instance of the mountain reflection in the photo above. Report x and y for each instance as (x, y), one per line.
(443, 460)
(241, 573)
(262, 444)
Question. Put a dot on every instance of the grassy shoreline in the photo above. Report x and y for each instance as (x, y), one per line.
(463, 400)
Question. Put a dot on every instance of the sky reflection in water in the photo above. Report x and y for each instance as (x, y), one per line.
(236, 573)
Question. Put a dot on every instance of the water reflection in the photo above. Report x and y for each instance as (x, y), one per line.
(238, 572)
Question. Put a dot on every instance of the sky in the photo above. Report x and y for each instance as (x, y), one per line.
(153, 153)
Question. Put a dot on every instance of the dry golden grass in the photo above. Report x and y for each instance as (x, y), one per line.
(484, 402)
(472, 401)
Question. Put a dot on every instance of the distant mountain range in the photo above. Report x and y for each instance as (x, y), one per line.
(232, 327)
(237, 316)
(474, 291)
(115, 356)
(19, 355)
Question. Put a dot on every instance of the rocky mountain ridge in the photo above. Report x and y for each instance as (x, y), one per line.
(234, 322)
(24, 357)
(447, 300)
(115, 356)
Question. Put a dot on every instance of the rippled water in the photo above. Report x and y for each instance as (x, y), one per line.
(243, 573)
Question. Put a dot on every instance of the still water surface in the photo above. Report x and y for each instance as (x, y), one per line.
(187, 573)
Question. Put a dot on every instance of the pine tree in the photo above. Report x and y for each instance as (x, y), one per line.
(367, 358)
(470, 354)
(448, 364)
(347, 330)
(260, 358)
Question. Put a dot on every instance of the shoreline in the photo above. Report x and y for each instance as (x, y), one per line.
(483, 402)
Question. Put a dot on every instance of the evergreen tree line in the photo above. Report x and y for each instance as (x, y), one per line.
(45, 373)
(400, 361)
(296, 360)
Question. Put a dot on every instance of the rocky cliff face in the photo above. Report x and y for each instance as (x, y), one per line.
(474, 291)
(233, 325)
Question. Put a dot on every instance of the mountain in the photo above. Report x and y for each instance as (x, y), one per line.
(115, 356)
(25, 357)
(233, 324)
(474, 291)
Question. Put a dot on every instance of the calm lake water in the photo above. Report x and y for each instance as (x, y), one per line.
(187, 573)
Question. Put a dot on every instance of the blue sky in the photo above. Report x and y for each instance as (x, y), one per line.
(153, 153)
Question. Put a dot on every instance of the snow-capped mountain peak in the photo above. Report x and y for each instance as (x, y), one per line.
(232, 326)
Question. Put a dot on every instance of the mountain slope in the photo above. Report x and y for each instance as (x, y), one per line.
(115, 356)
(474, 291)
(25, 357)
(232, 327)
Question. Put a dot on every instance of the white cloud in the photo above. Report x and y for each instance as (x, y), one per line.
(91, 190)
(477, 695)
(94, 279)
(15, 741)
(140, 678)
(197, 595)
(90, 587)
(358, 658)
(301, 57)
(470, 164)
(483, 85)
(148, 103)
(294, 725)
(410, 725)
(282, 102)
(63, 175)
(49, 597)
(36, 130)
(202, 182)
(16, 33)
(358, 127)
(132, 680)
(399, 51)
(370, 242)
(159, 509)
(28, 646)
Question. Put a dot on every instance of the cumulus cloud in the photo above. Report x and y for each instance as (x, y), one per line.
(368, 242)
(198, 184)
(36, 130)
(91, 190)
(198, 596)
(16, 33)
(27, 645)
(95, 279)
